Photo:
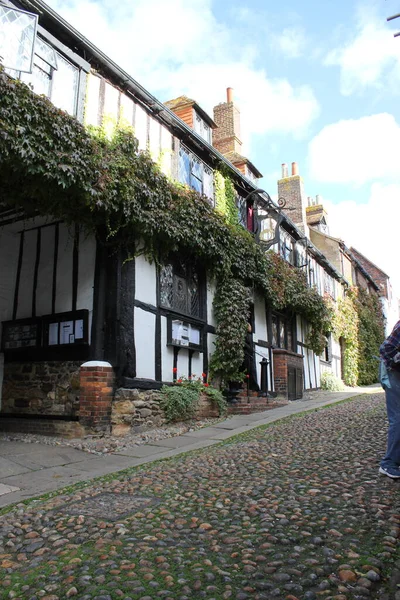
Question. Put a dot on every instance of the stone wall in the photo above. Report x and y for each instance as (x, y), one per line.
(135, 410)
(41, 388)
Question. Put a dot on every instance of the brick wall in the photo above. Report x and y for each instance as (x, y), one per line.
(377, 275)
(291, 189)
(226, 138)
(96, 395)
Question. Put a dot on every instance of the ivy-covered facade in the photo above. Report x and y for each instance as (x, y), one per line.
(127, 237)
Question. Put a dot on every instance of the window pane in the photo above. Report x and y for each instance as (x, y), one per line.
(17, 36)
(46, 53)
(198, 124)
(180, 301)
(194, 299)
(39, 79)
(65, 86)
(274, 328)
(166, 286)
(197, 168)
(184, 166)
(282, 334)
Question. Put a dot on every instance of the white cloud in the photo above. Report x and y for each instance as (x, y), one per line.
(370, 58)
(356, 151)
(291, 42)
(371, 228)
(179, 47)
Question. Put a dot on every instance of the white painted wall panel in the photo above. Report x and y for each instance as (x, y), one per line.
(167, 354)
(86, 266)
(260, 319)
(145, 281)
(166, 151)
(211, 337)
(111, 101)
(45, 272)
(197, 364)
(210, 298)
(183, 363)
(91, 116)
(145, 325)
(64, 270)
(154, 139)
(9, 248)
(27, 274)
(126, 114)
(141, 127)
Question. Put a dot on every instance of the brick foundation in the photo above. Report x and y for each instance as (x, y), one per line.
(285, 362)
(96, 395)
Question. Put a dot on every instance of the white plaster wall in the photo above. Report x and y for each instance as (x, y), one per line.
(145, 324)
(141, 127)
(86, 268)
(260, 319)
(64, 270)
(9, 247)
(111, 101)
(27, 272)
(197, 364)
(126, 114)
(154, 139)
(210, 297)
(145, 281)
(166, 151)
(183, 363)
(45, 272)
(91, 116)
(167, 354)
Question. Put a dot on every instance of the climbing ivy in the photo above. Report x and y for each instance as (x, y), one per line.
(358, 320)
(51, 165)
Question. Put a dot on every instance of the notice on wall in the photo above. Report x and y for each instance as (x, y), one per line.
(79, 329)
(19, 335)
(67, 332)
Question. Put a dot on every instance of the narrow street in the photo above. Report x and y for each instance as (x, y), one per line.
(292, 510)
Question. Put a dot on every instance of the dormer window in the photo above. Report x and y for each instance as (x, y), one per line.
(196, 174)
(201, 127)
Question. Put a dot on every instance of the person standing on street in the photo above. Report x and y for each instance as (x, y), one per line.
(390, 380)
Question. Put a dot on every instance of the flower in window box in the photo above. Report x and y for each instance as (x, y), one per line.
(206, 385)
(179, 381)
(174, 370)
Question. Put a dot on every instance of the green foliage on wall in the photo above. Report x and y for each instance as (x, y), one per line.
(359, 321)
(51, 165)
(371, 333)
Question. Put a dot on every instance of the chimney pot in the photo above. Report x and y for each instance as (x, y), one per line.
(318, 199)
(295, 168)
(284, 170)
(229, 94)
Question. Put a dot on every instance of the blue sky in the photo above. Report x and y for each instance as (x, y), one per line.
(316, 82)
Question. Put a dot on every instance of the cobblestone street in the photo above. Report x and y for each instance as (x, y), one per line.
(293, 510)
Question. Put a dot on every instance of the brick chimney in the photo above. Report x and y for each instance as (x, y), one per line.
(226, 138)
(291, 189)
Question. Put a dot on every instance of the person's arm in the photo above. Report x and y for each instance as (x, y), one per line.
(391, 346)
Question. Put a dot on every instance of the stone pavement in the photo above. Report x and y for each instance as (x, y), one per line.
(29, 470)
(292, 511)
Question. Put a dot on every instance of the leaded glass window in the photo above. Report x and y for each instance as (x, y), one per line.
(179, 289)
(17, 38)
(194, 173)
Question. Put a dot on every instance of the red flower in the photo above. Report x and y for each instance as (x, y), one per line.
(175, 370)
(247, 376)
(204, 375)
(206, 385)
(179, 381)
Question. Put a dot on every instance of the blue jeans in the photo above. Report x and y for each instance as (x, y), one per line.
(392, 457)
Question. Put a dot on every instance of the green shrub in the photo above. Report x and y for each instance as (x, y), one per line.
(180, 400)
(331, 383)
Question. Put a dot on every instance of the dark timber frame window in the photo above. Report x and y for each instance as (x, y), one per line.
(182, 294)
(282, 331)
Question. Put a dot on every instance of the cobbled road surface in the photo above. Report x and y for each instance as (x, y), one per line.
(295, 510)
